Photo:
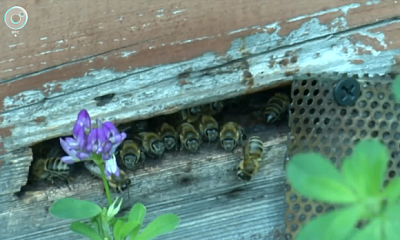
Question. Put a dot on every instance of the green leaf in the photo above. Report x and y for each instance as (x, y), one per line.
(371, 232)
(138, 212)
(85, 230)
(315, 177)
(392, 190)
(134, 233)
(391, 224)
(335, 225)
(396, 88)
(117, 229)
(71, 208)
(161, 225)
(365, 169)
(128, 228)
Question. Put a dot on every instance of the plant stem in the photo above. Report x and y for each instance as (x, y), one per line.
(105, 183)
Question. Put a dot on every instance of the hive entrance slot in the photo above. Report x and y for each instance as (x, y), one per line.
(181, 165)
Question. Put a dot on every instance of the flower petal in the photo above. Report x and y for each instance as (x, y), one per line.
(68, 159)
(112, 167)
(65, 146)
(83, 156)
(84, 119)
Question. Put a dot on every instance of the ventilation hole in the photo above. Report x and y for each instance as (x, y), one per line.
(327, 121)
(330, 130)
(378, 86)
(398, 117)
(293, 197)
(377, 115)
(302, 138)
(316, 149)
(305, 148)
(338, 151)
(302, 217)
(332, 111)
(386, 105)
(341, 131)
(308, 130)
(293, 227)
(300, 101)
(296, 207)
(349, 151)
(324, 139)
(312, 111)
(382, 125)
(348, 122)
(288, 236)
(310, 102)
(314, 82)
(363, 133)
(394, 126)
(290, 217)
(319, 130)
(302, 111)
(304, 199)
(354, 113)
(374, 134)
(306, 92)
(322, 111)
(369, 95)
(327, 150)
(366, 85)
(335, 140)
(325, 93)
(296, 121)
(313, 138)
(374, 104)
(392, 145)
(389, 87)
(385, 136)
(319, 209)
(319, 102)
(343, 112)
(388, 116)
(397, 136)
(397, 107)
(362, 103)
(390, 163)
(296, 92)
(360, 123)
(337, 122)
(333, 160)
(365, 114)
(355, 142)
(292, 110)
(381, 95)
(304, 83)
(392, 174)
(307, 208)
(352, 133)
(316, 92)
(288, 187)
(371, 124)
(316, 121)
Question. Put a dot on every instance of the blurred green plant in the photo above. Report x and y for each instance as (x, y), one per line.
(358, 188)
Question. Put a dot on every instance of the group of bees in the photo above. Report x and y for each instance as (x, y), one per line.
(185, 130)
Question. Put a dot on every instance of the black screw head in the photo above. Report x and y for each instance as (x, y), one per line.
(346, 91)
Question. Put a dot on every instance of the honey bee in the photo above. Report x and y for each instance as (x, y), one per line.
(231, 135)
(189, 137)
(208, 128)
(131, 155)
(119, 183)
(152, 144)
(168, 135)
(276, 107)
(252, 154)
(212, 108)
(50, 166)
(190, 115)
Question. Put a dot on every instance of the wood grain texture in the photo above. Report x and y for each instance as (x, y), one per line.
(201, 188)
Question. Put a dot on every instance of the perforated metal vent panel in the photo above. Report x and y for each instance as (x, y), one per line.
(319, 124)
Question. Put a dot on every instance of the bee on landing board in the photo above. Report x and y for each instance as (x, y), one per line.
(169, 136)
(190, 115)
(189, 138)
(118, 183)
(131, 156)
(152, 144)
(252, 154)
(231, 135)
(49, 166)
(208, 128)
(276, 107)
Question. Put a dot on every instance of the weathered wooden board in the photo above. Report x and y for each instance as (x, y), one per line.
(159, 57)
(201, 188)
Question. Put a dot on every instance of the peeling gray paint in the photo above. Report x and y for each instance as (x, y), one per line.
(147, 91)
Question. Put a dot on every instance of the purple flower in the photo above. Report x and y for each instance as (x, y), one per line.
(88, 143)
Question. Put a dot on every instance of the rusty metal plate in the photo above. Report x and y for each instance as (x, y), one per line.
(319, 124)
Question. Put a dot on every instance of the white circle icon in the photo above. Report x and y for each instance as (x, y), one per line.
(16, 18)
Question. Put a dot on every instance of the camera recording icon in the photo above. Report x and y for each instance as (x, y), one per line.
(16, 18)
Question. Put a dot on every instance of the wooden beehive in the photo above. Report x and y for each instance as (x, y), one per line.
(157, 57)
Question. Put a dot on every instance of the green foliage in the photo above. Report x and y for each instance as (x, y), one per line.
(358, 187)
(71, 208)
